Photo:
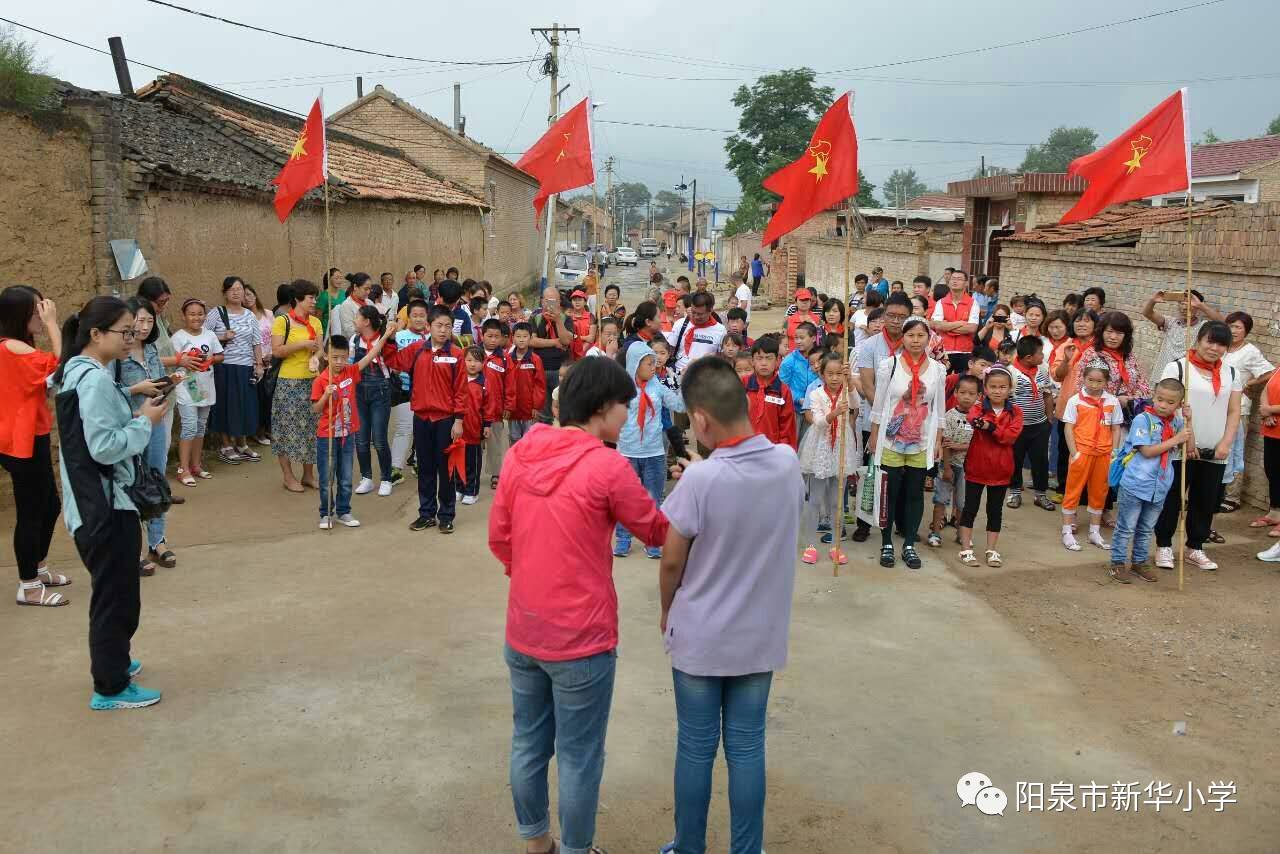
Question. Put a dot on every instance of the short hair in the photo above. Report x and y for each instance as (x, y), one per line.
(737, 313)
(300, 289)
(685, 300)
(1008, 345)
(955, 270)
(939, 291)
(921, 299)
(452, 271)
(417, 268)
(613, 287)
(338, 342)
(861, 277)
(1120, 322)
(418, 303)
(875, 314)
(1018, 298)
(660, 342)
(522, 326)
(1095, 292)
(503, 302)
(922, 280)
(965, 379)
(1082, 313)
(593, 386)
(469, 286)
(899, 298)
(680, 279)
(606, 321)
(765, 344)
(475, 351)
(478, 303)
(875, 299)
(152, 288)
(1215, 332)
(877, 269)
(829, 304)
(1059, 315)
(702, 299)
(438, 311)
(712, 385)
(734, 338)
(230, 282)
(828, 358)
(450, 292)
(1029, 345)
(1243, 317)
(1171, 384)
(284, 294)
(986, 354)
(1072, 300)
(808, 328)
(491, 323)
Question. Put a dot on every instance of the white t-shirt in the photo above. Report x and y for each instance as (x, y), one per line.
(1017, 320)
(198, 388)
(859, 326)
(744, 299)
(1249, 364)
(1208, 411)
(706, 341)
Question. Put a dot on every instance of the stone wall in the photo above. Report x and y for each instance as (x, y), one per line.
(1268, 181)
(512, 245)
(1236, 267)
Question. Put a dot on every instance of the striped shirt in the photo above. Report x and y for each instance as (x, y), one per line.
(1032, 406)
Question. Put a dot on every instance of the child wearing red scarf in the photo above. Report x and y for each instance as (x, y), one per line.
(820, 450)
(1094, 424)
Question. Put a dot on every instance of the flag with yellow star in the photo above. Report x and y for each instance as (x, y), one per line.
(1150, 158)
(308, 164)
(561, 159)
(823, 176)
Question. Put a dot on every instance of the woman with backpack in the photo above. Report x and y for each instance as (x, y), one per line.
(100, 444)
(234, 417)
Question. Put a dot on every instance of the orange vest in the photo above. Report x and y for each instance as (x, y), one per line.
(957, 342)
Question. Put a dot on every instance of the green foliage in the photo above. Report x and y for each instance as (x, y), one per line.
(902, 186)
(1209, 137)
(666, 204)
(1056, 153)
(22, 73)
(1274, 127)
(866, 193)
(989, 172)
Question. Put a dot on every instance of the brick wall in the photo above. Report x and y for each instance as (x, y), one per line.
(379, 119)
(1268, 181)
(903, 255)
(1236, 267)
(1044, 209)
(513, 254)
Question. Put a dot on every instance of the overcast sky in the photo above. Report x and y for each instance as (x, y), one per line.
(996, 96)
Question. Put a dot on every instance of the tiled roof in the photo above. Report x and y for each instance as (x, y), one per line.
(937, 200)
(1228, 158)
(1027, 182)
(366, 170)
(1117, 221)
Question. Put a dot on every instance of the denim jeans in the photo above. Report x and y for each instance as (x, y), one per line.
(560, 708)
(156, 455)
(704, 706)
(1135, 524)
(343, 452)
(373, 402)
(652, 472)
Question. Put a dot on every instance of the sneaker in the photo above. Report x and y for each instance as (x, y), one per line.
(325, 523)
(1055, 496)
(384, 488)
(911, 558)
(1095, 539)
(422, 523)
(1197, 557)
(1119, 572)
(810, 556)
(132, 697)
(1043, 502)
(365, 487)
(1143, 573)
(1069, 540)
(838, 556)
(935, 540)
(349, 520)
(887, 557)
(446, 527)
(397, 476)
(827, 538)
(457, 496)
(135, 667)
(1014, 500)
(1271, 555)
(470, 499)
(653, 553)
(620, 550)
(824, 526)
(1164, 557)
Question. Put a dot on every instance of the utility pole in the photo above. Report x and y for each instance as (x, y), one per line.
(608, 200)
(552, 68)
(693, 222)
(982, 166)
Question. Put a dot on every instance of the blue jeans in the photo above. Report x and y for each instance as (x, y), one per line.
(705, 704)
(1055, 447)
(373, 402)
(1135, 523)
(560, 708)
(343, 452)
(157, 455)
(652, 472)
(1235, 457)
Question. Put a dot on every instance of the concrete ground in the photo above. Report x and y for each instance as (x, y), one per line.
(345, 692)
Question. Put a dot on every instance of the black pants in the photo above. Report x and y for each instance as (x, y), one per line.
(1033, 447)
(471, 486)
(1064, 456)
(114, 604)
(755, 286)
(1271, 465)
(36, 500)
(959, 362)
(973, 498)
(1204, 493)
(435, 487)
(905, 485)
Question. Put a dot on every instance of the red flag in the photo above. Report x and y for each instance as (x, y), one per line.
(308, 165)
(825, 175)
(561, 160)
(1152, 157)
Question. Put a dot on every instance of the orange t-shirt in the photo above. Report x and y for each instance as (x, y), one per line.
(1272, 396)
(1068, 385)
(1091, 420)
(24, 411)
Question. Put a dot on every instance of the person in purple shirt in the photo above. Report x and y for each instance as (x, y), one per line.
(726, 578)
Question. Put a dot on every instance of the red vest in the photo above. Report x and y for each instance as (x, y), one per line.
(957, 342)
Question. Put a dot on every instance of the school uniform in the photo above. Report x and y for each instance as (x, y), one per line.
(772, 410)
(500, 386)
(1091, 420)
(1143, 488)
(529, 393)
(475, 418)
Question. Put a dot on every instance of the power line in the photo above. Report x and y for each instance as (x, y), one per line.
(319, 43)
(860, 137)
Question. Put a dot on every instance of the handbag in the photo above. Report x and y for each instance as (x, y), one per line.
(149, 491)
(272, 373)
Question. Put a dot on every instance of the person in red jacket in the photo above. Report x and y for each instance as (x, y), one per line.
(528, 391)
(561, 493)
(476, 424)
(988, 465)
(804, 312)
(438, 398)
(500, 388)
(769, 401)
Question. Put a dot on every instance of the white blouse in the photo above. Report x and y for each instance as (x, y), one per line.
(893, 378)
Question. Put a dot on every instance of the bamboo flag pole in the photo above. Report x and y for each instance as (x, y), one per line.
(1182, 515)
(328, 344)
(842, 412)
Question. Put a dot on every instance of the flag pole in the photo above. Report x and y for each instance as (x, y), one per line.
(328, 344)
(842, 416)
(1182, 515)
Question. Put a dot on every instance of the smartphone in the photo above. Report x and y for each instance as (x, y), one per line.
(1205, 453)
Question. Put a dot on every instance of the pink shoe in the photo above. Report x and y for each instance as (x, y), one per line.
(838, 556)
(810, 556)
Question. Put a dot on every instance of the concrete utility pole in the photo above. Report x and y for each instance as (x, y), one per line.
(552, 35)
(608, 200)
(116, 44)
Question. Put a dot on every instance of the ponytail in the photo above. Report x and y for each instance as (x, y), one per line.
(98, 313)
(635, 321)
(375, 318)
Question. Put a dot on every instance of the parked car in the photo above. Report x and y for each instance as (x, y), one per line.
(627, 255)
(648, 247)
(571, 268)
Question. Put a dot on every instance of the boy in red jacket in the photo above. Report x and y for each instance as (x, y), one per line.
(997, 423)
(769, 402)
(438, 398)
(529, 391)
(475, 425)
(500, 392)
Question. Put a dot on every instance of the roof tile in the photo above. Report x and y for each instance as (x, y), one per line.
(1228, 158)
(1115, 221)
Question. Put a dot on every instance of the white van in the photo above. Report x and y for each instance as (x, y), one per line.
(648, 247)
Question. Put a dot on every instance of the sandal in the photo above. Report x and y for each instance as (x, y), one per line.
(46, 600)
(1264, 522)
(203, 475)
(166, 558)
(967, 558)
(887, 557)
(910, 558)
(294, 487)
(185, 478)
(1228, 505)
(51, 579)
(228, 455)
(247, 453)
(1215, 537)
(493, 482)
(146, 568)
(1274, 532)
(993, 557)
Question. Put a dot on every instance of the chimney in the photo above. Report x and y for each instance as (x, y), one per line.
(122, 66)
(359, 87)
(457, 108)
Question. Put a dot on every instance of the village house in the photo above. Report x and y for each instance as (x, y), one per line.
(1001, 205)
(1243, 170)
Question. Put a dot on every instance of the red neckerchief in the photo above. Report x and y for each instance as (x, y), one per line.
(1121, 368)
(835, 422)
(893, 348)
(358, 301)
(688, 342)
(644, 334)
(1166, 433)
(550, 326)
(735, 441)
(833, 329)
(645, 407)
(915, 367)
(368, 345)
(1029, 373)
(1214, 368)
(302, 321)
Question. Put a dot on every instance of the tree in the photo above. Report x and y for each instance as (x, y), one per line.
(779, 113)
(1274, 127)
(866, 193)
(666, 204)
(902, 186)
(1209, 137)
(1056, 153)
(989, 170)
(22, 73)
(631, 197)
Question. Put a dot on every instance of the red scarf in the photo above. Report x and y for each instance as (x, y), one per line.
(834, 329)
(368, 346)
(1030, 373)
(893, 348)
(644, 334)
(736, 440)
(916, 386)
(1166, 433)
(362, 303)
(553, 331)
(1214, 368)
(835, 422)
(688, 342)
(645, 408)
(1121, 368)
(302, 321)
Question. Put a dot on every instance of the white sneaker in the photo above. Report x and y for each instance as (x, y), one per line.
(470, 499)
(365, 487)
(349, 520)
(1271, 555)
(1069, 540)
(325, 523)
(1196, 557)
(384, 488)
(1164, 557)
(457, 496)
(1095, 538)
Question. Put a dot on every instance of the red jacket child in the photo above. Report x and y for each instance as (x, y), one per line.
(989, 460)
(438, 378)
(530, 386)
(499, 382)
(771, 409)
(475, 410)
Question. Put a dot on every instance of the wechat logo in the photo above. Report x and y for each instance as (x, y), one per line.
(975, 790)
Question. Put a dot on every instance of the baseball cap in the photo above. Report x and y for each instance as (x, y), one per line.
(670, 298)
(804, 293)
(578, 293)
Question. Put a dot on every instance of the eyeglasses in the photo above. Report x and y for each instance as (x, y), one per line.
(895, 318)
(123, 333)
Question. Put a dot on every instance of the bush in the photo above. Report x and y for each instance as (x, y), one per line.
(22, 73)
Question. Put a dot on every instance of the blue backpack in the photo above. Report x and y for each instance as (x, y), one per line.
(1121, 456)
